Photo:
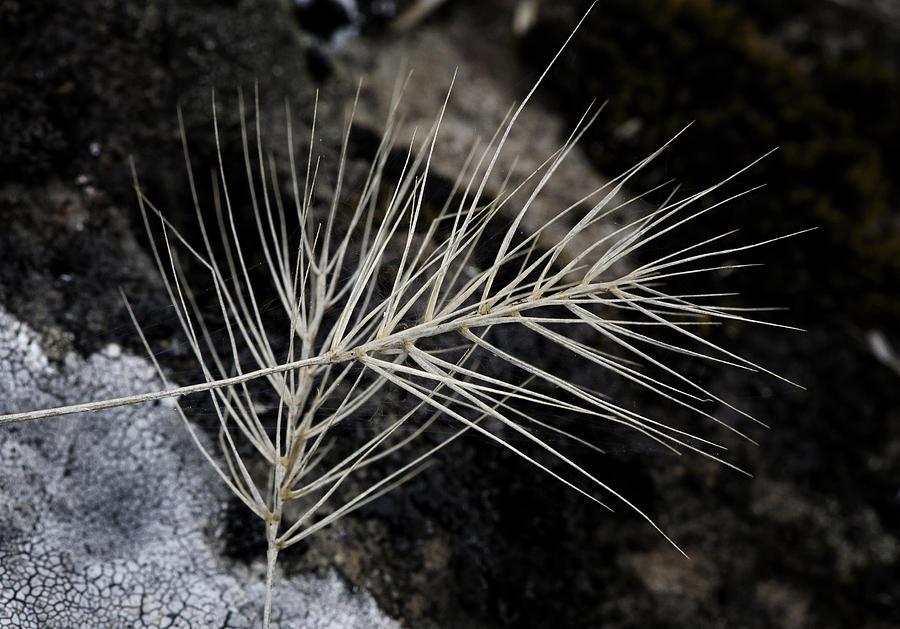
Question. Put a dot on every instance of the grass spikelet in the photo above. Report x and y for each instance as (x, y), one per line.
(349, 341)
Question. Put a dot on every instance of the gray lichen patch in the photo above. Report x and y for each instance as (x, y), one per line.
(105, 517)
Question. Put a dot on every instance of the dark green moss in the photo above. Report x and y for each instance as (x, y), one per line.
(666, 63)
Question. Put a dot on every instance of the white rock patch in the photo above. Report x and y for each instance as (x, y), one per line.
(106, 519)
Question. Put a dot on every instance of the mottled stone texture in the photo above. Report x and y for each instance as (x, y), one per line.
(111, 519)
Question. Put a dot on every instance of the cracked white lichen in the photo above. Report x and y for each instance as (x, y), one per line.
(105, 519)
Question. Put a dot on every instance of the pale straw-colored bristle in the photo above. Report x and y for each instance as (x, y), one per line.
(379, 298)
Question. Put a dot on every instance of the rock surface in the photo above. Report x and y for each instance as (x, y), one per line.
(112, 519)
(480, 541)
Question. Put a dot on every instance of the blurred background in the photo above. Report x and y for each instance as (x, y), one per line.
(481, 540)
